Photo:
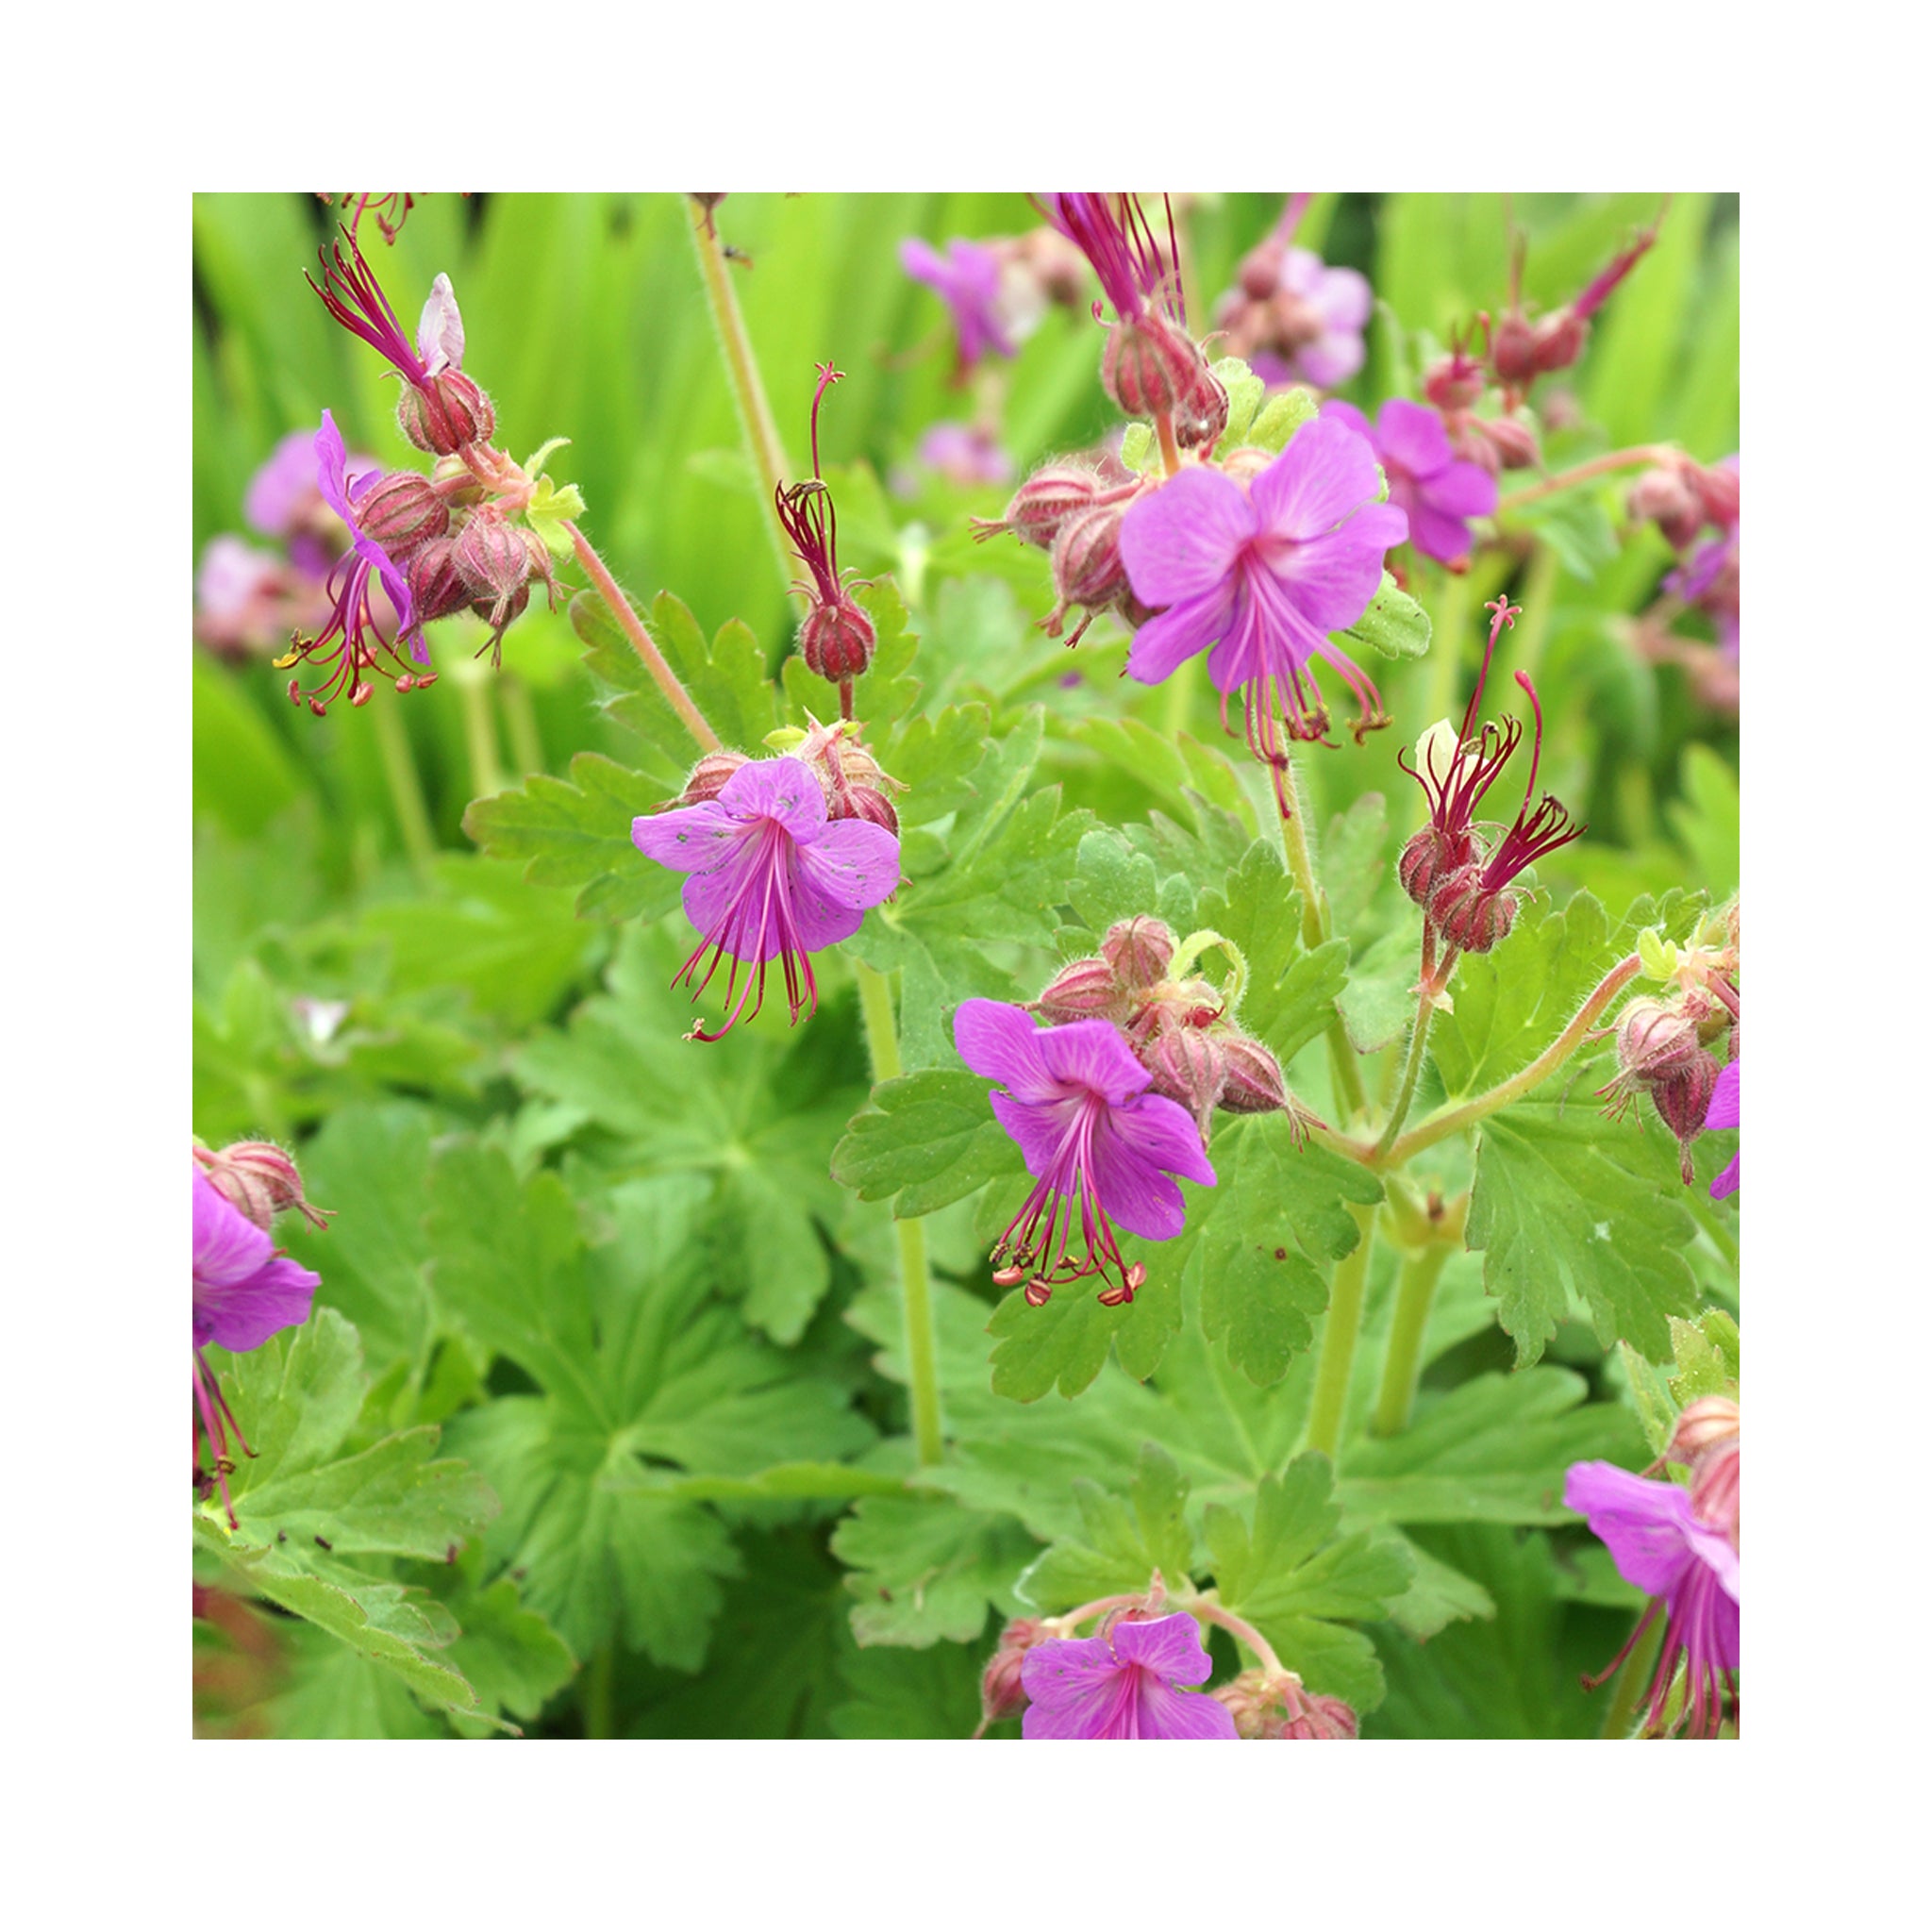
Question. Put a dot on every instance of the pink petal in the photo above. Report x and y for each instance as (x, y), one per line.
(1464, 490)
(1040, 1128)
(1169, 1646)
(1090, 1055)
(1645, 1526)
(1129, 1148)
(1002, 1042)
(1166, 642)
(779, 789)
(1408, 434)
(853, 863)
(1325, 471)
(1345, 298)
(696, 838)
(1330, 358)
(1722, 1112)
(1074, 1685)
(228, 1247)
(1347, 412)
(1332, 579)
(1437, 534)
(1181, 542)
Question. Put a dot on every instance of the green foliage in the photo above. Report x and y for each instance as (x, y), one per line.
(923, 1572)
(926, 1139)
(1394, 624)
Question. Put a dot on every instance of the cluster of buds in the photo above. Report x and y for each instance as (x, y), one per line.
(1459, 871)
(1290, 316)
(1002, 1688)
(1523, 349)
(1180, 1026)
(1666, 1046)
(1454, 385)
(1681, 496)
(258, 1180)
(1073, 511)
(1704, 1440)
(1684, 498)
(850, 777)
(836, 638)
(426, 545)
(1271, 1704)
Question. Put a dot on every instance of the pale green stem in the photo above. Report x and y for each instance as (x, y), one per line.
(405, 786)
(599, 1697)
(520, 719)
(754, 412)
(1583, 473)
(1633, 1680)
(640, 642)
(1206, 1604)
(479, 737)
(1340, 1334)
(1446, 655)
(922, 1335)
(1402, 1365)
(1453, 1120)
(1432, 980)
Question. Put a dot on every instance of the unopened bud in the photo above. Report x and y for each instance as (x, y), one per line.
(1201, 414)
(402, 511)
(1139, 950)
(1559, 340)
(1717, 489)
(1045, 501)
(1082, 990)
(258, 1180)
(1310, 1716)
(1513, 440)
(1682, 1099)
(1150, 368)
(1245, 463)
(1453, 383)
(1429, 857)
(436, 585)
(1655, 1040)
(1714, 1488)
(837, 639)
(493, 558)
(1002, 1690)
(1187, 1065)
(1254, 1081)
(1512, 350)
(444, 413)
(1470, 916)
(1087, 565)
(1703, 1425)
(1664, 496)
(710, 775)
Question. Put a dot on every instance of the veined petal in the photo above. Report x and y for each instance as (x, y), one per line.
(1461, 488)
(1181, 541)
(1073, 1685)
(853, 863)
(1167, 640)
(1001, 1042)
(1408, 434)
(278, 1295)
(1090, 1055)
(1331, 579)
(696, 838)
(1169, 1646)
(1127, 1151)
(744, 905)
(1325, 473)
(1645, 1525)
(1722, 1112)
(1165, 1712)
(783, 790)
(1347, 412)
(1038, 1129)
(228, 1247)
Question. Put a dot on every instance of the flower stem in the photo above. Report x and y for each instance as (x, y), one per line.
(1340, 1334)
(1431, 983)
(405, 786)
(520, 719)
(633, 628)
(599, 1699)
(922, 1334)
(1415, 1294)
(754, 412)
(1453, 1119)
(1583, 473)
(1209, 1606)
(479, 737)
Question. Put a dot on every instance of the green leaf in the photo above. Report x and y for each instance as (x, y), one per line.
(910, 1693)
(1245, 391)
(1394, 624)
(1440, 1595)
(928, 1571)
(1706, 1356)
(577, 832)
(1567, 1203)
(1122, 1540)
(514, 1659)
(1280, 417)
(1707, 817)
(925, 1140)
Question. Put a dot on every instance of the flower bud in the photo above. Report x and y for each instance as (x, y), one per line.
(1717, 489)
(1471, 917)
(403, 513)
(1512, 350)
(1150, 368)
(1664, 496)
(1045, 501)
(1260, 270)
(1682, 1098)
(494, 561)
(1714, 1488)
(1082, 990)
(258, 1180)
(1002, 1693)
(1187, 1065)
(1250, 1701)
(708, 776)
(1201, 414)
(1453, 383)
(1245, 463)
(446, 412)
(1139, 950)
(1429, 857)
(1087, 566)
(837, 639)
(1254, 1081)
(1704, 1424)
(1654, 1039)
(1513, 440)
(1309, 1716)
(436, 586)
(1558, 340)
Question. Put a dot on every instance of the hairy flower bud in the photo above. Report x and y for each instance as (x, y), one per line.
(1187, 1065)
(436, 585)
(1045, 501)
(1267, 1706)
(1511, 438)
(1087, 567)
(1152, 368)
(707, 776)
(1470, 916)
(1454, 382)
(1082, 990)
(1512, 350)
(1310, 1716)
(494, 561)
(1654, 1039)
(1717, 489)
(1201, 414)
(402, 511)
(258, 1180)
(1682, 1098)
(837, 639)
(446, 412)
(1255, 1084)
(1703, 1425)
(1664, 496)
(1139, 950)
(1002, 1693)
(1714, 1488)
(1429, 857)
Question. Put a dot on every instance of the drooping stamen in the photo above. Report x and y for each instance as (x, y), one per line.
(806, 510)
(766, 874)
(352, 623)
(213, 1412)
(352, 295)
(1534, 833)
(1037, 1244)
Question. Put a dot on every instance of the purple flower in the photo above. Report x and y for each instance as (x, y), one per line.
(1723, 1113)
(1706, 580)
(967, 277)
(1689, 1566)
(1437, 489)
(352, 639)
(964, 454)
(1335, 304)
(1127, 1684)
(244, 1290)
(1264, 575)
(772, 877)
(1094, 1140)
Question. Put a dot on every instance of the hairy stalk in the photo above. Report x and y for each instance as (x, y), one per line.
(1583, 473)
(1432, 982)
(922, 1333)
(1209, 1605)
(754, 412)
(640, 642)
(599, 1698)
(405, 786)
(479, 737)
(1402, 1365)
(1335, 1364)
(1453, 1120)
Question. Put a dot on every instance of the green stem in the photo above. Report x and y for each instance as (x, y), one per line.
(1340, 1334)
(1583, 473)
(479, 737)
(1632, 1681)
(405, 786)
(1538, 604)
(599, 1695)
(520, 719)
(1446, 652)
(1402, 1366)
(1209, 1606)
(922, 1335)
(1712, 1223)
(1433, 979)
(754, 412)
(1453, 1119)
(632, 625)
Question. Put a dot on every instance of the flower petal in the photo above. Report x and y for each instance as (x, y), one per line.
(1167, 640)
(1169, 1646)
(1412, 436)
(1074, 1687)
(1090, 1055)
(1325, 473)
(1722, 1112)
(783, 790)
(1040, 1129)
(1182, 540)
(853, 863)
(1332, 577)
(1002, 1042)
(1128, 1150)
(228, 1247)
(696, 838)
(1645, 1526)
(244, 1291)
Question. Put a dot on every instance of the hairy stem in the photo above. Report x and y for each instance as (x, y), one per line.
(922, 1333)
(1415, 1294)
(1583, 473)
(754, 412)
(1209, 1606)
(1453, 1120)
(1433, 979)
(405, 786)
(1336, 1363)
(640, 642)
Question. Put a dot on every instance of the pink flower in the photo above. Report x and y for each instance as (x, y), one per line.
(968, 280)
(1264, 575)
(1660, 1544)
(1426, 481)
(1095, 1139)
(772, 876)
(964, 453)
(1723, 1113)
(1125, 1684)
